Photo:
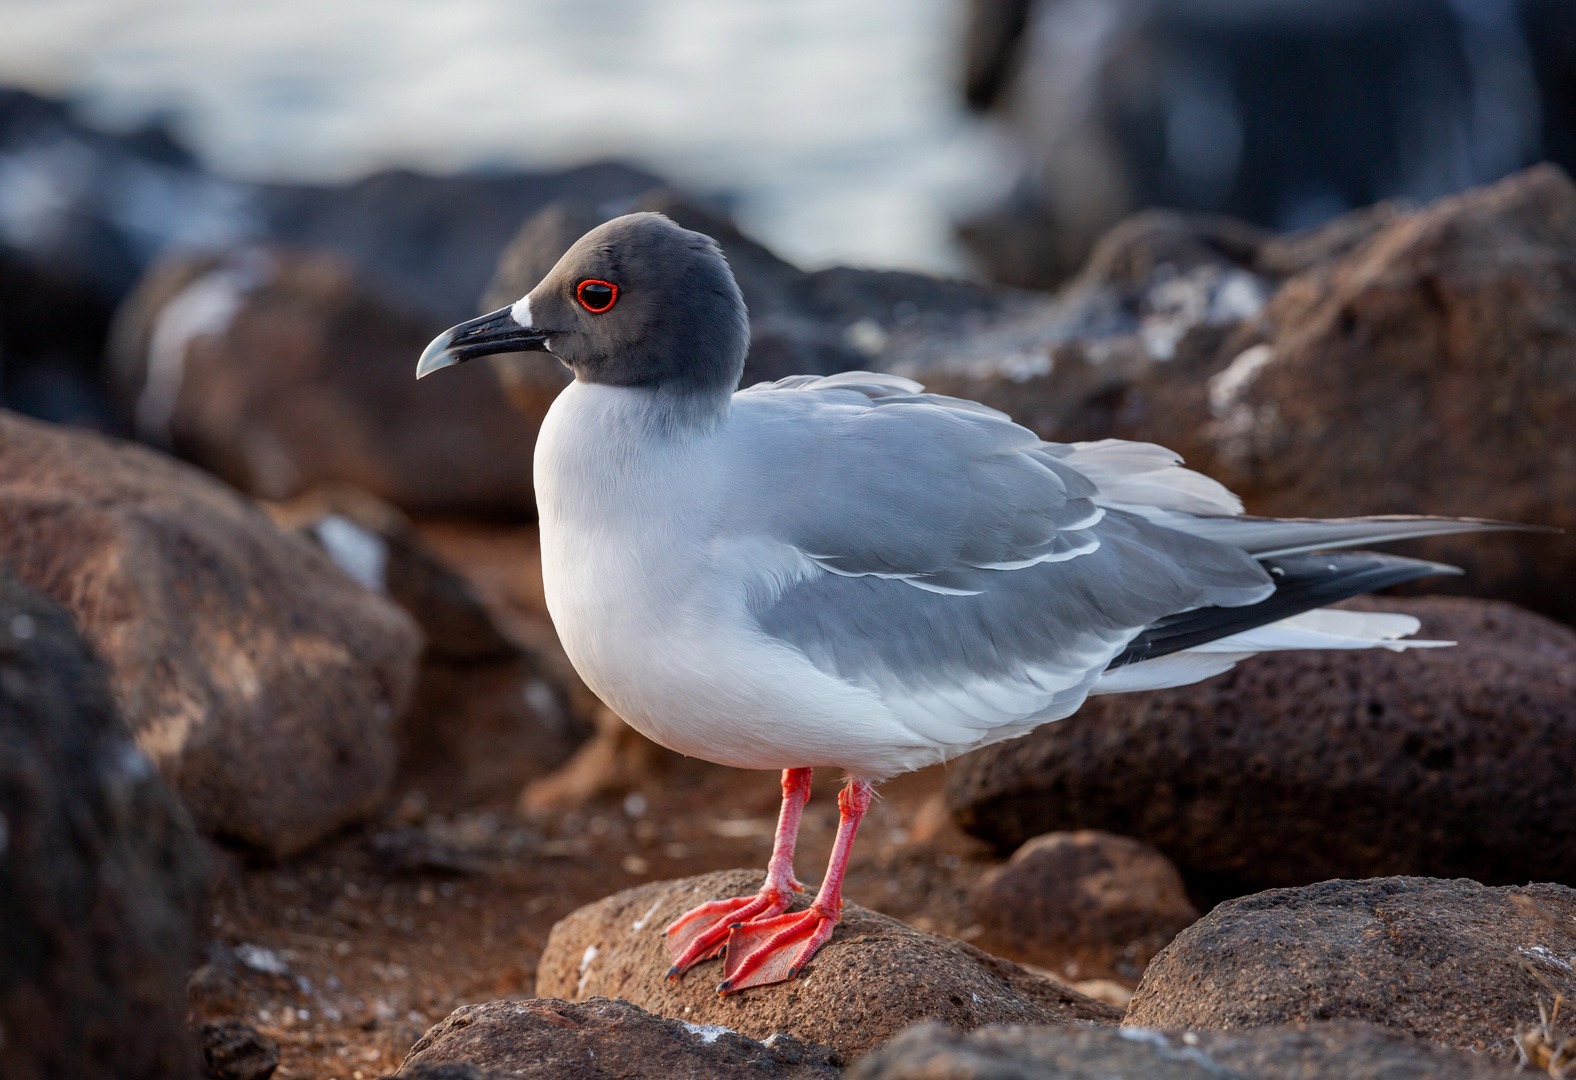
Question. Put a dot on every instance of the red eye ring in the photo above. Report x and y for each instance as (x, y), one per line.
(580, 295)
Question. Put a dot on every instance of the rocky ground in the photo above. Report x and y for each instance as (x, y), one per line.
(387, 927)
(284, 715)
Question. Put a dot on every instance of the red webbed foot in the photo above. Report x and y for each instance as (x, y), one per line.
(703, 933)
(772, 950)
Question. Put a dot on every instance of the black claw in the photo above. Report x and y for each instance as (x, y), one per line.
(674, 972)
(792, 973)
(734, 925)
(724, 986)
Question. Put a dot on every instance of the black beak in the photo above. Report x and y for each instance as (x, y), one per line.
(493, 333)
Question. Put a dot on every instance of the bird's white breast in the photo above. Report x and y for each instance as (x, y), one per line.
(648, 597)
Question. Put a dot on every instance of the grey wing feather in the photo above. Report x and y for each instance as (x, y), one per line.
(906, 486)
(970, 572)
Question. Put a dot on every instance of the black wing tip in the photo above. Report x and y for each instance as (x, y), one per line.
(1303, 582)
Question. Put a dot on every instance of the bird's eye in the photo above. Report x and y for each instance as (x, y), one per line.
(596, 296)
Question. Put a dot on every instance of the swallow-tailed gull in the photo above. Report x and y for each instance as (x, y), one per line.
(847, 571)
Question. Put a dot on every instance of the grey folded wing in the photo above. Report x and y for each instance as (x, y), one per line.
(958, 565)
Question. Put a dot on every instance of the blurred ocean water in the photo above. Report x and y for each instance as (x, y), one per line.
(836, 128)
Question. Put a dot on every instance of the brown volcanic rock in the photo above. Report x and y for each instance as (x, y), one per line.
(1087, 904)
(601, 1039)
(1453, 961)
(1297, 767)
(1318, 1051)
(485, 716)
(279, 371)
(101, 875)
(262, 681)
(874, 978)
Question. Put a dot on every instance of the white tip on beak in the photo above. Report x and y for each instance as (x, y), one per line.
(436, 356)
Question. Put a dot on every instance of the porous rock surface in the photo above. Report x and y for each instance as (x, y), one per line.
(1086, 904)
(101, 874)
(874, 978)
(1313, 1051)
(1298, 767)
(1453, 961)
(259, 678)
(602, 1039)
(281, 370)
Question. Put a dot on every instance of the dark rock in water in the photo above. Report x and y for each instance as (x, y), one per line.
(280, 372)
(1296, 767)
(548, 1038)
(120, 201)
(263, 682)
(1452, 961)
(1084, 904)
(815, 323)
(486, 716)
(101, 875)
(52, 330)
(1265, 112)
(115, 200)
(874, 978)
(234, 1050)
(1312, 1051)
(111, 202)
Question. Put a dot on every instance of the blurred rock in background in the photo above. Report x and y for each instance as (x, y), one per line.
(280, 370)
(487, 714)
(259, 678)
(1281, 113)
(101, 875)
(1085, 905)
(84, 212)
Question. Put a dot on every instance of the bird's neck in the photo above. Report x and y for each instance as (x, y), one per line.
(673, 411)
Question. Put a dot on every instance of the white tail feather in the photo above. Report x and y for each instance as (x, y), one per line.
(1321, 628)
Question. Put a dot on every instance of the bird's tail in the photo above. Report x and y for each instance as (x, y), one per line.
(1298, 552)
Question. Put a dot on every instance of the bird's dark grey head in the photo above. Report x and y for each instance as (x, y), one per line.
(637, 301)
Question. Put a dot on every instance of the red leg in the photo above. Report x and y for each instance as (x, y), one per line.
(775, 949)
(701, 934)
